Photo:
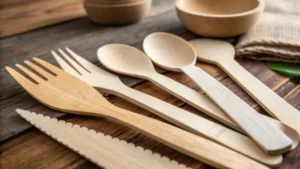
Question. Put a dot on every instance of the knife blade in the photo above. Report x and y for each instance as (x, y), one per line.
(103, 150)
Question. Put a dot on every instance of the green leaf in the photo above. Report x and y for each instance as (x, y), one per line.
(285, 68)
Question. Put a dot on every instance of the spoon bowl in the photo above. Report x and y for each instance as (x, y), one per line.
(173, 50)
(219, 18)
(125, 60)
(206, 50)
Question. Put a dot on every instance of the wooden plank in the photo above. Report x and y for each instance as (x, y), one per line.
(12, 120)
(64, 34)
(19, 16)
(33, 14)
(13, 125)
(45, 148)
(213, 71)
(36, 150)
(12, 96)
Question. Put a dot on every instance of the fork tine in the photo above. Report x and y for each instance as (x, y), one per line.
(30, 73)
(23, 81)
(63, 64)
(85, 63)
(38, 69)
(73, 63)
(49, 66)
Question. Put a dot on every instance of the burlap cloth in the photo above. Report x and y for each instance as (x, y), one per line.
(276, 36)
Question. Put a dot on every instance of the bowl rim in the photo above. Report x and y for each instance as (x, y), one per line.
(118, 5)
(258, 8)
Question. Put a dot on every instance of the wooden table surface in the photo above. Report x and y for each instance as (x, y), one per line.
(23, 146)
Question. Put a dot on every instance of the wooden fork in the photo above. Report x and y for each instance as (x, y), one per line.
(66, 93)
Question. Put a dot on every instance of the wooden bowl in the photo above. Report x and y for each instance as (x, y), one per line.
(112, 1)
(117, 13)
(219, 18)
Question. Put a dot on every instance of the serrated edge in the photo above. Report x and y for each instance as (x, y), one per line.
(32, 117)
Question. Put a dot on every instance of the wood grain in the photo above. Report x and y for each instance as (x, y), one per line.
(42, 51)
(219, 19)
(110, 83)
(64, 92)
(25, 147)
(263, 95)
(176, 54)
(45, 148)
(112, 13)
(82, 140)
(20, 16)
(240, 112)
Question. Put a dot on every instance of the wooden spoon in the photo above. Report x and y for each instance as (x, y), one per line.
(125, 58)
(175, 54)
(263, 95)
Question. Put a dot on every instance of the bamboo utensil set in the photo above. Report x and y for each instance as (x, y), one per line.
(78, 97)
(90, 73)
(66, 93)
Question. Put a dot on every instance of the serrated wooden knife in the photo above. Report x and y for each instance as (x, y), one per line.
(103, 150)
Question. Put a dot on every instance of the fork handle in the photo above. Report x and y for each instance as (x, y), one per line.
(197, 147)
(263, 95)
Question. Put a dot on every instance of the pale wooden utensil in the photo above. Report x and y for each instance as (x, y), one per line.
(219, 18)
(125, 59)
(263, 95)
(93, 75)
(107, 152)
(64, 92)
(174, 53)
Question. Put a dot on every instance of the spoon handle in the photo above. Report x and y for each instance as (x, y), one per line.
(192, 97)
(269, 138)
(207, 106)
(267, 98)
(192, 145)
(198, 125)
